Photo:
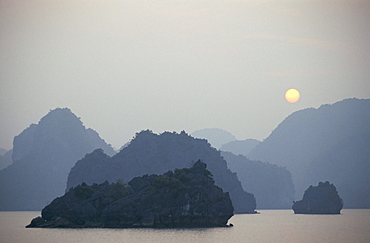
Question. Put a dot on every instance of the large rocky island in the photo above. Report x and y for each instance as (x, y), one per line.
(181, 198)
(150, 153)
(321, 199)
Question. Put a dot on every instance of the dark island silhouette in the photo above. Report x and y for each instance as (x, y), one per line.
(43, 154)
(181, 198)
(150, 153)
(320, 199)
(329, 143)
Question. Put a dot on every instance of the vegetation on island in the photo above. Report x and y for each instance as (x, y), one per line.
(181, 198)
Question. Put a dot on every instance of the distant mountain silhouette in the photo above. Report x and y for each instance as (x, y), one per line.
(347, 165)
(43, 155)
(3, 151)
(149, 153)
(328, 143)
(215, 136)
(5, 158)
(271, 185)
(242, 147)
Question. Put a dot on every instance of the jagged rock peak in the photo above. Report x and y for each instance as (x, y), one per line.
(43, 154)
(60, 115)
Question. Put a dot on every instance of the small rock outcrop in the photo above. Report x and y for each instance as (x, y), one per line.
(321, 199)
(181, 198)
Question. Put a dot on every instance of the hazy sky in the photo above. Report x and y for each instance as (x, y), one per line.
(123, 66)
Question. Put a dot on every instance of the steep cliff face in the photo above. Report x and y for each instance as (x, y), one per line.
(320, 199)
(271, 185)
(328, 143)
(149, 153)
(180, 198)
(43, 155)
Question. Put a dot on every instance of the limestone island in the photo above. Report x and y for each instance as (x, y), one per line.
(182, 198)
(321, 199)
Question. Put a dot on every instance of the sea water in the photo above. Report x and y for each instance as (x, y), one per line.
(352, 225)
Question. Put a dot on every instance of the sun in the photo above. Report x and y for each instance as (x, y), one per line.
(292, 95)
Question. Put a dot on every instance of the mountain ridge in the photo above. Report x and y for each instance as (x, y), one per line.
(150, 153)
(305, 135)
(271, 185)
(43, 155)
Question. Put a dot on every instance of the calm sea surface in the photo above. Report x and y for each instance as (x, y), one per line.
(353, 225)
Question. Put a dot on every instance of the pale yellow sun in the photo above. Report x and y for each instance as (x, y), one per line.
(292, 95)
